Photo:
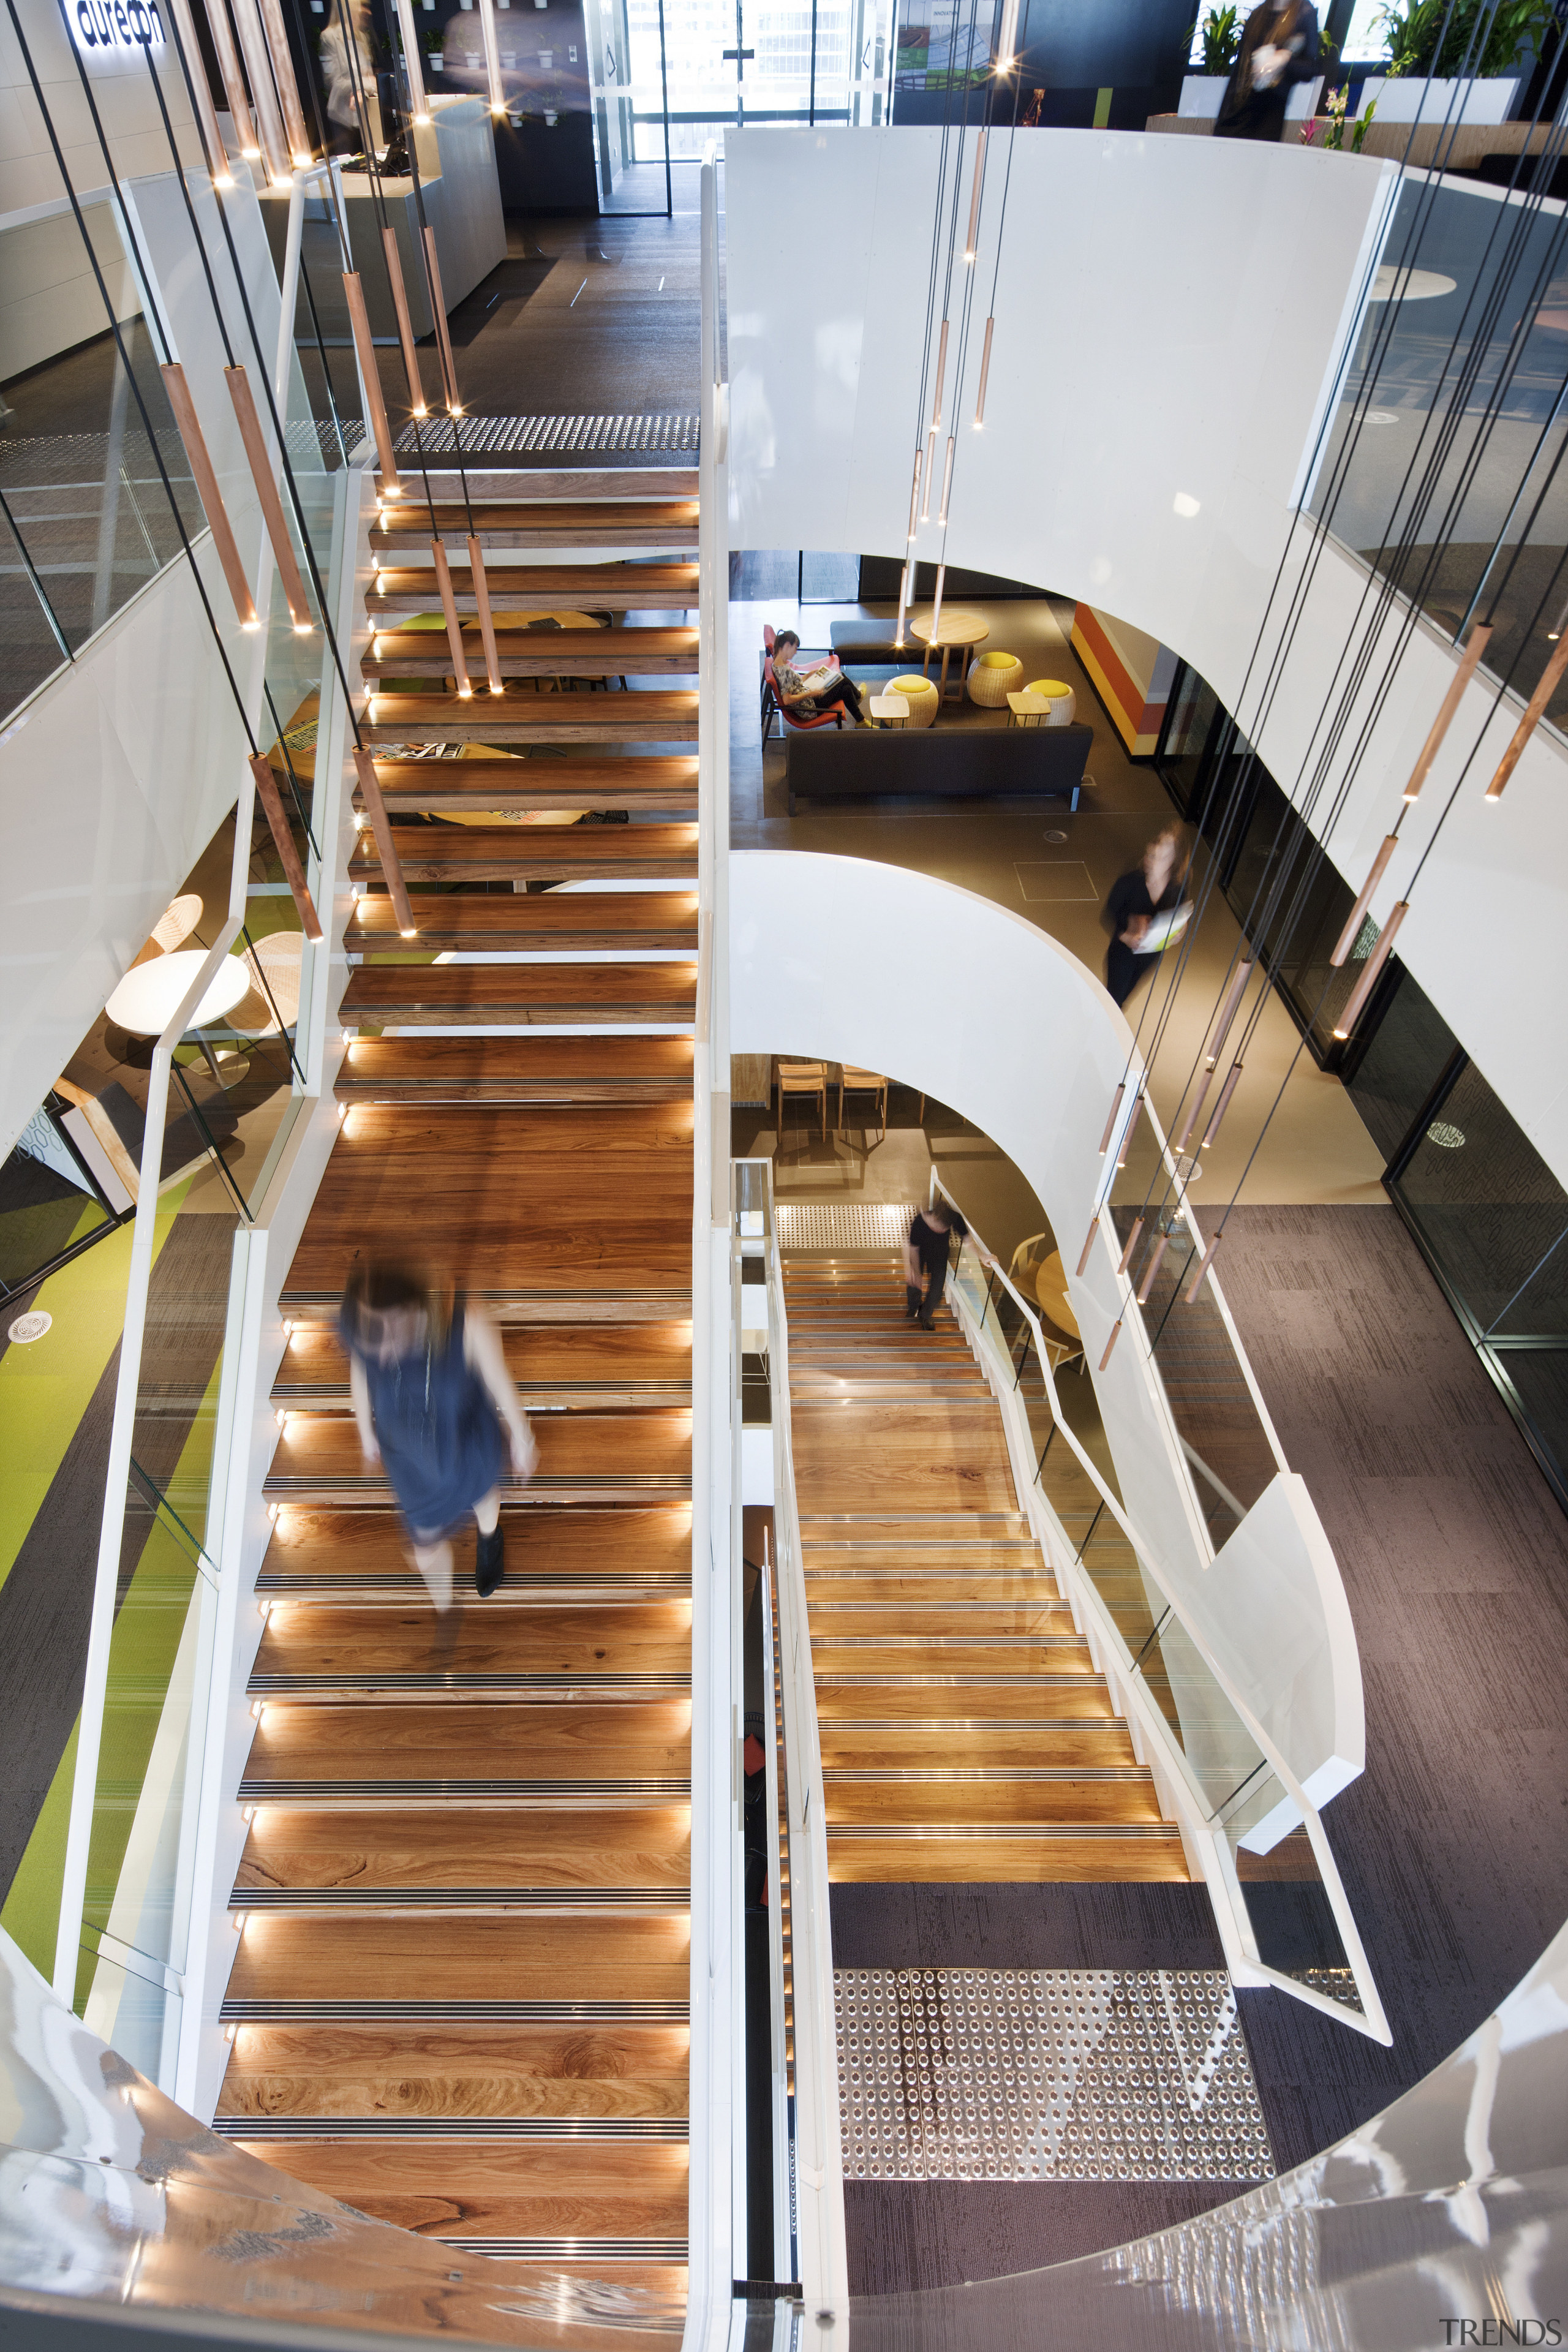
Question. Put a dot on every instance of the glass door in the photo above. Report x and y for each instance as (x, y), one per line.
(629, 100)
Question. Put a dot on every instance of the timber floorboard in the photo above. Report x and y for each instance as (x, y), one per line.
(430, 2071)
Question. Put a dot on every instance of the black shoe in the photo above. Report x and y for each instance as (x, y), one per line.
(927, 1323)
(911, 1302)
(490, 1562)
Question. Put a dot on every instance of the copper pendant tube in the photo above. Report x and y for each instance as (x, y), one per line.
(405, 324)
(1153, 1268)
(969, 242)
(1110, 1122)
(1534, 710)
(443, 340)
(1357, 916)
(1125, 1260)
(277, 39)
(492, 56)
(1005, 58)
(1128, 1131)
(930, 470)
(1222, 1106)
(385, 848)
(1191, 1119)
(482, 605)
(946, 482)
(941, 373)
(936, 608)
(985, 372)
(1089, 1243)
(454, 626)
(272, 512)
(1233, 997)
(413, 67)
(263, 97)
(1374, 964)
(1115, 1335)
(391, 487)
(1450, 703)
(206, 112)
(915, 496)
(271, 800)
(211, 497)
(233, 80)
(903, 601)
(1204, 1264)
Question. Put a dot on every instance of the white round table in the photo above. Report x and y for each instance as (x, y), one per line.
(148, 996)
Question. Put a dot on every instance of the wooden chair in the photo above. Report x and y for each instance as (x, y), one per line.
(863, 1082)
(802, 1079)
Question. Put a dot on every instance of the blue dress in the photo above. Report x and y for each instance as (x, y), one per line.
(440, 1436)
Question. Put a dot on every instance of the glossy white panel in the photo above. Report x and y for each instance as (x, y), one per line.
(1157, 378)
(835, 957)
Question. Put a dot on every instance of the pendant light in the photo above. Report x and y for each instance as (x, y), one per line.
(405, 324)
(272, 514)
(1089, 1243)
(1354, 920)
(201, 91)
(1480, 639)
(1222, 1106)
(232, 79)
(277, 39)
(969, 243)
(482, 606)
(1374, 964)
(1152, 1267)
(1204, 1264)
(263, 97)
(985, 374)
(386, 848)
(1125, 1260)
(1115, 1335)
(492, 56)
(454, 626)
(443, 340)
(271, 800)
(1534, 711)
(412, 67)
(370, 375)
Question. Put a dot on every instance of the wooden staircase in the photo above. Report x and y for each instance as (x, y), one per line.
(965, 1734)
(459, 1998)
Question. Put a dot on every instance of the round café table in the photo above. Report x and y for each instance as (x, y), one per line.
(148, 996)
(961, 627)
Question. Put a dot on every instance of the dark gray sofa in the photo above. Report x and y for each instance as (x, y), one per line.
(872, 641)
(964, 762)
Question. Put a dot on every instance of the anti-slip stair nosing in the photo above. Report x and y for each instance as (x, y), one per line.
(455, 2012)
(829, 1681)
(943, 1775)
(651, 1790)
(559, 2130)
(461, 1899)
(535, 1591)
(1003, 1830)
(565, 2249)
(942, 1726)
(408, 1686)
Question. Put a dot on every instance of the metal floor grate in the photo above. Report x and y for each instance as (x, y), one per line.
(850, 1225)
(574, 436)
(1045, 2074)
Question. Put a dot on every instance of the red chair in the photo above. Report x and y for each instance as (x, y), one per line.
(772, 703)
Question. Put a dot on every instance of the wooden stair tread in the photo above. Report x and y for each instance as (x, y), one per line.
(317, 1449)
(524, 652)
(515, 921)
(648, 714)
(530, 1201)
(519, 522)
(948, 1658)
(427, 2070)
(464, 2189)
(337, 1957)
(532, 853)
(650, 1636)
(1041, 1860)
(534, 1068)
(983, 1746)
(521, 992)
(567, 781)
(331, 1548)
(317, 1849)
(315, 1369)
(995, 1803)
(539, 588)
(473, 1740)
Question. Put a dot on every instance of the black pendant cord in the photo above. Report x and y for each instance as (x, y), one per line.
(114, 329)
(935, 260)
(966, 312)
(339, 225)
(455, 418)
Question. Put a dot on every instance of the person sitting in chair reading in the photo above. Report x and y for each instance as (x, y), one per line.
(808, 694)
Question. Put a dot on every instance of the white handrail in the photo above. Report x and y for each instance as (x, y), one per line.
(1201, 1820)
(819, 2160)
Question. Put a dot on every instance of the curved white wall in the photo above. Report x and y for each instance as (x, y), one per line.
(894, 971)
(1169, 313)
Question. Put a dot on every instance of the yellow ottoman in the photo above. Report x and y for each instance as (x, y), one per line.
(993, 677)
(1062, 700)
(921, 694)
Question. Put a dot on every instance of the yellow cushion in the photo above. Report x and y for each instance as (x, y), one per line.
(1051, 687)
(1000, 661)
(911, 686)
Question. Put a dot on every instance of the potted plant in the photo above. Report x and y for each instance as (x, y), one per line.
(1457, 76)
(436, 47)
(1220, 34)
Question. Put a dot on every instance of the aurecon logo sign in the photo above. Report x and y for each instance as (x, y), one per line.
(97, 25)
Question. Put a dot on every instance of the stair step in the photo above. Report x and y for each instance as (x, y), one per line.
(539, 588)
(957, 1655)
(515, 922)
(550, 2072)
(863, 1619)
(599, 1365)
(576, 853)
(582, 1455)
(992, 1701)
(1047, 1857)
(1120, 1799)
(473, 2193)
(646, 715)
(608, 1069)
(526, 1752)
(525, 652)
(560, 1212)
(559, 523)
(943, 1748)
(632, 1640)
(326, 1853)
(542, 995)
(391, 1960)
(448, 787)
(570, 1551)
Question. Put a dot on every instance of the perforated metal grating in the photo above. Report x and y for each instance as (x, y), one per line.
(1045, 2074)
(579, 435)
(858, 1224)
